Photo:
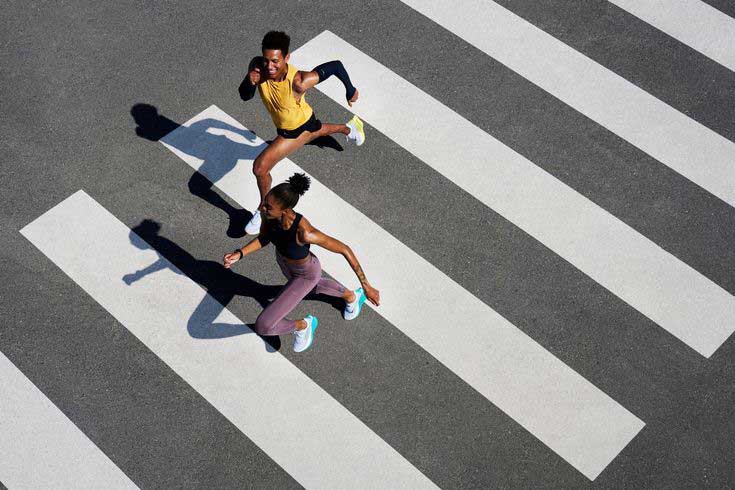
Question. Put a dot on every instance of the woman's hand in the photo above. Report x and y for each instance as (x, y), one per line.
(231, 258)
(372, 294)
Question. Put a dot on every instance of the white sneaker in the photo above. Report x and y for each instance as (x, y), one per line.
(304, 338)
(253, 226)
(353, 309)
(357, 133)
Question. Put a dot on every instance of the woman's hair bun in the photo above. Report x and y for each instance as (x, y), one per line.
(299, 183)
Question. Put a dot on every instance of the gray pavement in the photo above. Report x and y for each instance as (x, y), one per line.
(71, 73)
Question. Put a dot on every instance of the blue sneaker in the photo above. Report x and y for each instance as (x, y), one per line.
(304, 338)
(353, 309)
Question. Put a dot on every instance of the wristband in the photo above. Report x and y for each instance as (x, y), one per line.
(241, 255)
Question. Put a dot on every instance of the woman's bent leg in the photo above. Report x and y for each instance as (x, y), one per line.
(330, 287)
(327, 286)
(272, 320)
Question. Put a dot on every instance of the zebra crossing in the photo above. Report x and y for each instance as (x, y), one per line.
(636, 270)
(694, 23)
(40, 433)
(566, 425)
(202, 341)
(689, 148)
(176, 306)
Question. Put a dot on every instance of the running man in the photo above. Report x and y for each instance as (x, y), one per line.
(292, 234)
(282, 88)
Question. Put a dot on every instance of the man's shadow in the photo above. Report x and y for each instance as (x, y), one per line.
(221, 284)
(219, 153)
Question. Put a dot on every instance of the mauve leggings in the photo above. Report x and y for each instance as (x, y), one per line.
(302, 279)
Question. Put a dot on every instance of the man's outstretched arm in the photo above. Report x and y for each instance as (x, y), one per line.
(304, 80)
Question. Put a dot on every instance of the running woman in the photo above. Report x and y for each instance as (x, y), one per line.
(292, 234)
(282, 88)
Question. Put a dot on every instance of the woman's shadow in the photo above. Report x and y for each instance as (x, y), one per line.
(219, 153)
(221, 284)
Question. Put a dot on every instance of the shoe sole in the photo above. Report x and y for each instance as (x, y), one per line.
(358, 124)
(359, 127)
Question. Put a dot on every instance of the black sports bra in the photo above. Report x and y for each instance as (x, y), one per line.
(285, 240)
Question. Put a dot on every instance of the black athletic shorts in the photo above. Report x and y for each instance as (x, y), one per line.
(312, 125)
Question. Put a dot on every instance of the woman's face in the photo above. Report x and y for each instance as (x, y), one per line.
(272, 208)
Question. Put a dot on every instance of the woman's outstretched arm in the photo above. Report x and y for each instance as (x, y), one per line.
(253, 245)
(309, 234)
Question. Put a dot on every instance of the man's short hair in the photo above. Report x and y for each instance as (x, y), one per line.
(276, 40)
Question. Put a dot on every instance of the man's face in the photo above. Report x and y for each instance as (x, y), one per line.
(275, 63)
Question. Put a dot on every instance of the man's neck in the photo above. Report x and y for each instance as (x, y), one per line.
(281, 76)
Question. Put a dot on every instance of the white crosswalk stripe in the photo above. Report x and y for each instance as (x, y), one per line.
(37, 435)
(507, 367)
(684, 145)
(334, 449)
(692, 22)
(674, 295)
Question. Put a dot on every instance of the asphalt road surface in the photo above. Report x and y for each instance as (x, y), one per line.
(545, 200)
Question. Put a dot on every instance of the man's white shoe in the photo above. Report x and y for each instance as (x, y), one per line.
(253, 226)
(352, 310)
(357, 133)
(304, 338)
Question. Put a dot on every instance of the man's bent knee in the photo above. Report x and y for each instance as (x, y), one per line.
(260, 169)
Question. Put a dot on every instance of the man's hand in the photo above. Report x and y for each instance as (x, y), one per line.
(255, 70)
(230, 259)
(254, 76)
(354, 98)
(372, 294)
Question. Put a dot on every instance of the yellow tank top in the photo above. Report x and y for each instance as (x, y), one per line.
(280, 100)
